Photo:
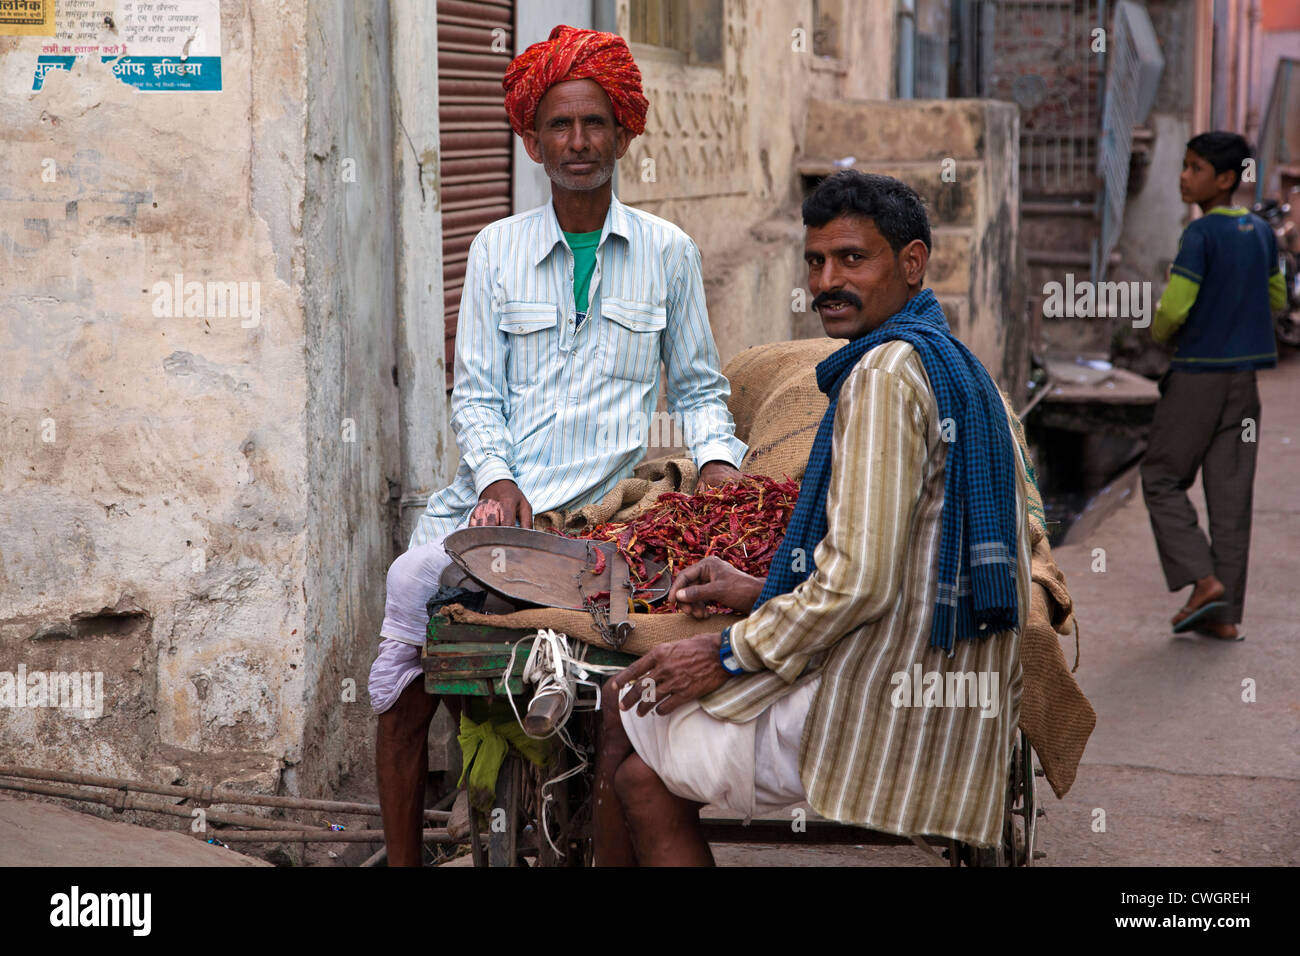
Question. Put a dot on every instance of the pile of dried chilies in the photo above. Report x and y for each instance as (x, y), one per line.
(742, 523)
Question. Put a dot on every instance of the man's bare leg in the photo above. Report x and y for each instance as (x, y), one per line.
(402, 764)
(610, 835)
(665, 827)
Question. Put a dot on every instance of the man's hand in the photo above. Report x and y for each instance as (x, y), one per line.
(672, 675)
(502, 503)
(715, 473)
(714, 581)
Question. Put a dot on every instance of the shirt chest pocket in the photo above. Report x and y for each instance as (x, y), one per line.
(632, 331)
(530, 329)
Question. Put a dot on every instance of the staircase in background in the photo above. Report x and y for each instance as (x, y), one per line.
(1078, 110)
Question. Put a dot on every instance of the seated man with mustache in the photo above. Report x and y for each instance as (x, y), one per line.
(908, 552)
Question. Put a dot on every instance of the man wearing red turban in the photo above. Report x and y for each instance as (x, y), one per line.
(567, 314)
(572, 54)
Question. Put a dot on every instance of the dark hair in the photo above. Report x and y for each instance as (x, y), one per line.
(1223, 150)
(894, 206)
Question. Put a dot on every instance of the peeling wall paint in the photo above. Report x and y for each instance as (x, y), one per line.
(156, 460)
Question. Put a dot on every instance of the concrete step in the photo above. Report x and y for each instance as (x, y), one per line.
(1057, 257)
(1057, 207)
(1071, 234)
(877, 130)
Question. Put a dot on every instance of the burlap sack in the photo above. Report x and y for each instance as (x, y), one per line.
(628, 499)
(1054, 712)
(774, 394)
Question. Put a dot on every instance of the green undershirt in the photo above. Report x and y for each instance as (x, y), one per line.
(583, 245)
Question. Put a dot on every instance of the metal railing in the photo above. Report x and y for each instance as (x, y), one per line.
(1131, 81)
(1042, 61)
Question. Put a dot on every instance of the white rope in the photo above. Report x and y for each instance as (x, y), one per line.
(553, 669)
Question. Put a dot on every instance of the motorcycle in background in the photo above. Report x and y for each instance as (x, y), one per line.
(1286, 323)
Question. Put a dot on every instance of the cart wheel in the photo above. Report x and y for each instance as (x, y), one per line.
(569, 815)
(1028, 809)
(558, 815)
(1019, 819)
(1016, 845)
(475, 842)
(504, 820)
(986, 855)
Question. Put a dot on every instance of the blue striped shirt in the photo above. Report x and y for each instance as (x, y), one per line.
(563, 402)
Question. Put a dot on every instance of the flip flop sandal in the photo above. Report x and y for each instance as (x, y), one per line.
(1205, 610)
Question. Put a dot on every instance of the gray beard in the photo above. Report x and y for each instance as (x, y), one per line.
(558, 176)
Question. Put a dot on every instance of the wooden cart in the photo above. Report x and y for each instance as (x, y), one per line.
(468, 661)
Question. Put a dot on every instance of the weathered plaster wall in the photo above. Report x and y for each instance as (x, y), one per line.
(226, 491)
(750, 237)
(1273, 46)
(172, 487)
(353, 453)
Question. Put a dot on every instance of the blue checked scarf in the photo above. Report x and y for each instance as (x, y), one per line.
(977, 548)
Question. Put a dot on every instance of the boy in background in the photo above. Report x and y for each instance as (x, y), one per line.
(1217, 310)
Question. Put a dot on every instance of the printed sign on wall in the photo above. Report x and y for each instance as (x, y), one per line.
(27, 18)
(156, 46)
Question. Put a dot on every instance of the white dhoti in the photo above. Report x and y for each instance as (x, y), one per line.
(747, 769)
(412, 580)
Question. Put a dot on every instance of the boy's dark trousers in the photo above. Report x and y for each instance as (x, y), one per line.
(1201, 423)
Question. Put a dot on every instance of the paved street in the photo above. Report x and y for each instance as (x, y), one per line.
(1187, 772)
(37, 833)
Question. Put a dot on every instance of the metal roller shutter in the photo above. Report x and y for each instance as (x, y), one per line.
(474, 135)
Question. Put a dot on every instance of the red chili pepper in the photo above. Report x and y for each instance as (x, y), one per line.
(744, 522)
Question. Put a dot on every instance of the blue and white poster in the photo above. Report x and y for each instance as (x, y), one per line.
(149, 74)
(155, 46)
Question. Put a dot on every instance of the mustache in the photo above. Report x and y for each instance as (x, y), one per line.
(840, 295)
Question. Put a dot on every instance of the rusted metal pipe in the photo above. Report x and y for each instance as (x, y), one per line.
(208, 794)
(320, 836)
(124, 801)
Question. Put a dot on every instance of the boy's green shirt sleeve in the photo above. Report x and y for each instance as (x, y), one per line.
(1184, 283)
(1277, 291)
(1175, 304)
(1277, 298)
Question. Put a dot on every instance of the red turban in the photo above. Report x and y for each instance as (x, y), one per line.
(573, 54)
